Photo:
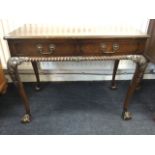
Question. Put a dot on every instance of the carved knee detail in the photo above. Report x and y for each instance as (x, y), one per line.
(141, 63)
(140, 60)
(12, 68)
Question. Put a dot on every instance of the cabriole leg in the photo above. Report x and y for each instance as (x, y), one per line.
(138, 87)
(140, 68)
(13, 71)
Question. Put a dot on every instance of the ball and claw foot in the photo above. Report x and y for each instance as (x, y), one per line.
(126, 115)
(26, 119)
(113, 86)
(37, 88)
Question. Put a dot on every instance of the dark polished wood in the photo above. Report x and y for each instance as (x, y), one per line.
(140, 68)
(13, 71)
(113, 82)
(35, 68)
(76, 47)
(34, 44)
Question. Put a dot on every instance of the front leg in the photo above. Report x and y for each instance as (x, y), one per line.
(13, 71)
(141, 64)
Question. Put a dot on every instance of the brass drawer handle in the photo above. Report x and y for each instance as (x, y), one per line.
(41, 49)
(115, 48)
(52, 48)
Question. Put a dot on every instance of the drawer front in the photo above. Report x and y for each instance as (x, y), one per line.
(76, 47)
(112, 46)
(43, 47)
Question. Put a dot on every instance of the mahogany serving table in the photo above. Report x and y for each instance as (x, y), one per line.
(34, 43)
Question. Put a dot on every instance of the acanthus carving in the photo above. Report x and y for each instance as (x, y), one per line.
(13, 70)
(141, 63)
